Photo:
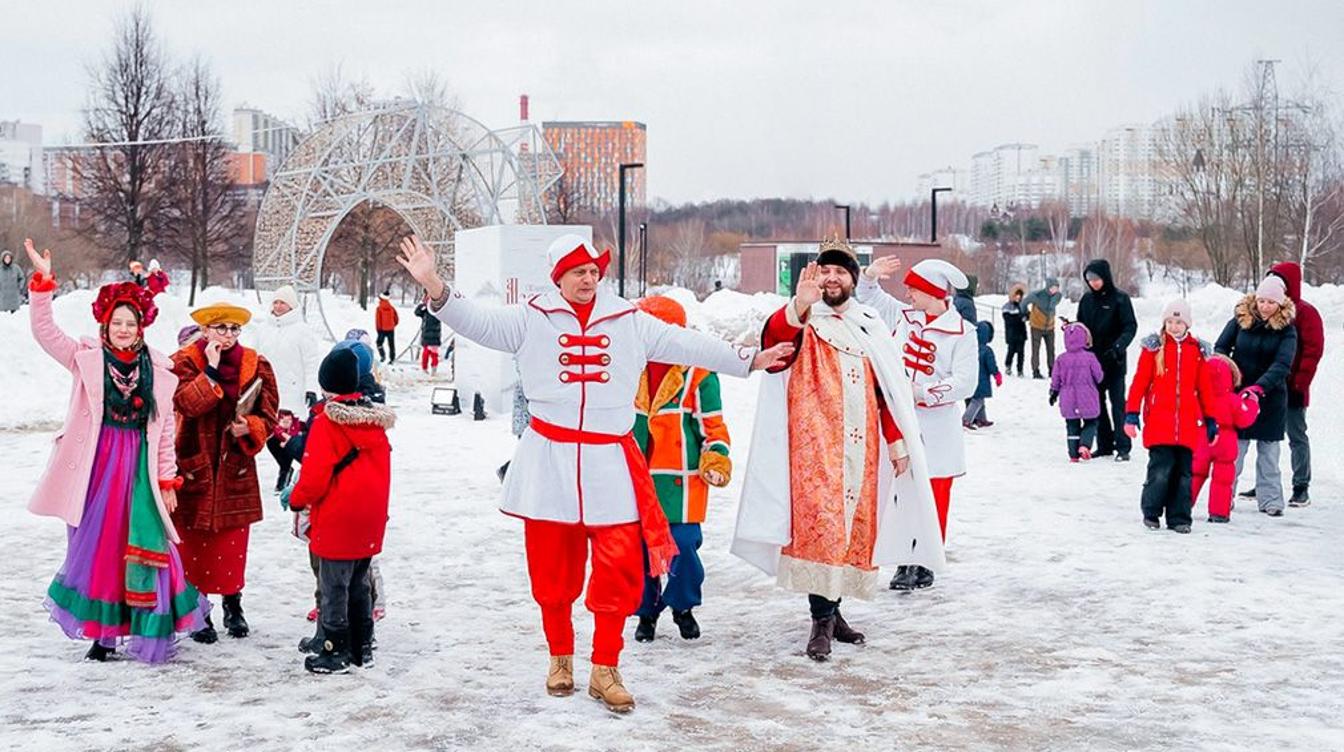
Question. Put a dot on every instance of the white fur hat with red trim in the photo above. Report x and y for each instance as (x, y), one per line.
(936, 277)
(570, 251)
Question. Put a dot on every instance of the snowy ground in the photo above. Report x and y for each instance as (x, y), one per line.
(1062, 623)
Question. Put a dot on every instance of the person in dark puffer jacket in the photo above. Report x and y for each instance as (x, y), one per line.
(1262, 341)
(1108, 313)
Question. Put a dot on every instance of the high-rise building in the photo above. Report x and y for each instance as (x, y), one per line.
(1127, 176)
(255, 131)
(947, 177)
(1012, 175)
(21, 155)
(1077, 170)
(590, 152)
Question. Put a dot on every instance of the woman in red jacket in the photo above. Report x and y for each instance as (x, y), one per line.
(347, 471)
(1166, 390)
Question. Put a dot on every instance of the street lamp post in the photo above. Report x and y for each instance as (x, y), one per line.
(846, 209)
(933, 208)
(620, 254)
(643, 257)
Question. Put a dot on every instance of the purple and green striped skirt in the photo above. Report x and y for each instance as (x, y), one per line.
(89, 598)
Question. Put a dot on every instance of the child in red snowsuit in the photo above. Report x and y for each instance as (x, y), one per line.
(1231, 411)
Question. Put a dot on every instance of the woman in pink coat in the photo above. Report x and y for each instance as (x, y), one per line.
(112, 478)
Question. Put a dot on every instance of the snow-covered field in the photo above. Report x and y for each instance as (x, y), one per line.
(1062, 623)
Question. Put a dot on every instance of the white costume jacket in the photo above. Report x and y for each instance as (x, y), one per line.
(581, 378)
(295, 355)
(942, 359)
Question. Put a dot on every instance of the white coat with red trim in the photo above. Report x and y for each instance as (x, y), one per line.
(942, 358)
(582, 378)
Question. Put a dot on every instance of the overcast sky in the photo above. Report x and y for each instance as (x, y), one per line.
(849, 100)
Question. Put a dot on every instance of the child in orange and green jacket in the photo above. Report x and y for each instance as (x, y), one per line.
(679, 426)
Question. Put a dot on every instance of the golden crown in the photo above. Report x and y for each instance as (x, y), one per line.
(836, 244)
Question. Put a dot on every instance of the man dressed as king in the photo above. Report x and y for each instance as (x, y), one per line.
(836, 483)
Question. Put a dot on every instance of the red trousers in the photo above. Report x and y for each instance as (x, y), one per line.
(1224, 476)
(942, 497)
(557, 555)
(429, 356)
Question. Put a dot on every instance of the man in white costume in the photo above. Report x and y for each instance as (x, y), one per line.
(836, 484)
(941, 355)
(578, 478)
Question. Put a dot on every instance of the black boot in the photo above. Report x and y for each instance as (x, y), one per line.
(361, 644)
(690, 629)
(923, 578)
(233, 615)
(1248, 494)
(208, 635)
(502, 471)
(99, 653)
(334, 658)
(845, 633)
(819, 643)
(313, 644)
(1300, 497)
(648, 626)
(904, 579)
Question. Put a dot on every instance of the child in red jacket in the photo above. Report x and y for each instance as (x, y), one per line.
(344, 484)
(1167, 391)
(1231, 411)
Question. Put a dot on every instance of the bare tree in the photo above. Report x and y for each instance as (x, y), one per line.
(1113, 239)
(208, 220)
(1202, 155)
(336, 94)
(131, 109)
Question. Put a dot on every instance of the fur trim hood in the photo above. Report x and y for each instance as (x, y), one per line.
(361, 413)
(1246, 316)
(1153, 343)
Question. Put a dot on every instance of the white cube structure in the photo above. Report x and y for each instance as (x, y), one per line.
(500, 265)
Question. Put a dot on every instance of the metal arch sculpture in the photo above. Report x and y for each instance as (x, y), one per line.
(441, 170)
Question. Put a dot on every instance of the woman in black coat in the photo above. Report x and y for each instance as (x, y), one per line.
(1262, 340)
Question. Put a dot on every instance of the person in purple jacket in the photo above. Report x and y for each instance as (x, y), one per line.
(1074, 386)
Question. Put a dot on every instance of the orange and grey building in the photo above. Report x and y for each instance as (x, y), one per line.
(591, 152)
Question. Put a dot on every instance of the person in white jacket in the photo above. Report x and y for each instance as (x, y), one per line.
(293, 350)
(942, 358)
(578, 479)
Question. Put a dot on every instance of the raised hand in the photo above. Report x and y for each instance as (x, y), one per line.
(772, 357)
(418, 260)
(41, 264)
(808, 291)
(883, 267)
(213, 352)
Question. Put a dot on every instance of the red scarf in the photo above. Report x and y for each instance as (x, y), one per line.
(230, 367)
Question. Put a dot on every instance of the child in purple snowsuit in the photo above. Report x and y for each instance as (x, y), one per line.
(1073, 384)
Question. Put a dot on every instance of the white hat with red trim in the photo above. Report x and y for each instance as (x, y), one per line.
(936, 277)
(570, 251)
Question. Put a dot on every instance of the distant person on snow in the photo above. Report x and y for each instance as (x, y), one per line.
(1015, 328)
(385, 321)
(975, 416)
(1074, 387)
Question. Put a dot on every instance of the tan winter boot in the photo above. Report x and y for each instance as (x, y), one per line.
(560, 679)
(606, 685)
